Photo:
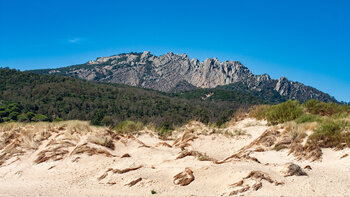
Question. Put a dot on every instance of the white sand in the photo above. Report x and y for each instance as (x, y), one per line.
(329, 177)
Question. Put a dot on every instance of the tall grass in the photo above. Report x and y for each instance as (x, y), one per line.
(128, 126)
(258, 111)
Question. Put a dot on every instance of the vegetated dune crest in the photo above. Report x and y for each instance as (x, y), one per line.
(73, 158)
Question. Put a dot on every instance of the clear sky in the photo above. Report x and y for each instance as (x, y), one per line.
(305, 40)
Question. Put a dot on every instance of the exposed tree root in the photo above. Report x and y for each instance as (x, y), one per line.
(184, 178)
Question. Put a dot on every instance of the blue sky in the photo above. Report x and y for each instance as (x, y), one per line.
(306, 41)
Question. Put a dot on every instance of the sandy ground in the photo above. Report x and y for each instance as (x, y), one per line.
(80, 174)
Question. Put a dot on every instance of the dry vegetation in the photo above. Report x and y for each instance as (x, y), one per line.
(74, 141)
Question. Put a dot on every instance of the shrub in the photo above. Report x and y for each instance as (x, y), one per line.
(340, 115)
(128, 126)
(204, 157)
(240, 114)
(58, 120)
(165, 128)
(22, 118)
(224, 117)
(30, 115)
(308, 118)
(330, 134)
(284, 112)
(107, 121)
(322, 108)
(13, 115)
(40, 117)
(259, 111)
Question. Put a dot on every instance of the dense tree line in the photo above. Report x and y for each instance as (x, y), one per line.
(235, 92)
(59, 97)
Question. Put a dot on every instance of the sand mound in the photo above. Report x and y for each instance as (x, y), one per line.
(75, 159)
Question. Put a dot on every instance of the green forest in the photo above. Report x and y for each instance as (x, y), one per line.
(25, 96)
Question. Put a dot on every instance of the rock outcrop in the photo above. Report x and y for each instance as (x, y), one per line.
(172, 72)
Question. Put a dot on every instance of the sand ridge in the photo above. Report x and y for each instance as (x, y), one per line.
(195, 161)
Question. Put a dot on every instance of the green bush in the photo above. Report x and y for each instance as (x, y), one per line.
(331, 134)
(13, 115)
(107, 120)
(128, 126)
(40, 117)
(30, 115)
(22, 118)
(165, 128)
(324, 109)
(284, 112)
(224, 117)
(57, 120)
(308, 118)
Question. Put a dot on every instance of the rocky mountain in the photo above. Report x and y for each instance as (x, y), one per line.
(174, 73)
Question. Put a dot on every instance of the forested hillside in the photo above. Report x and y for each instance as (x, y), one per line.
(55, 97)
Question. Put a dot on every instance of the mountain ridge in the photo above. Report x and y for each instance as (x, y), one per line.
(175, 73)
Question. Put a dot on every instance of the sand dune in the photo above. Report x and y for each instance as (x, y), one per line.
(75, 159)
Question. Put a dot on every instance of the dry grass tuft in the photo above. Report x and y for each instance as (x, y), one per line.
(84, 148)
(258, 111)
(200, 156)
(163, 144)
(117, 171)
(291, 169)
(105, 141)
(257, 176)
(51, 154)
(184, 178)
(186, 153)
(345, 155)
(134, 182)
(125, 155)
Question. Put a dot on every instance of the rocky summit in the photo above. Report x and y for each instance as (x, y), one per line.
(173, 73)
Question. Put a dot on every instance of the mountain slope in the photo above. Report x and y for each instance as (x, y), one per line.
(174, 73)
(68, 98)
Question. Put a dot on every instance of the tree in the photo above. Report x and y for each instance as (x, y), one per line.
(40, 118)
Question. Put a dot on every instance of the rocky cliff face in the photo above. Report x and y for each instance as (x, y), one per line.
(172, 72)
